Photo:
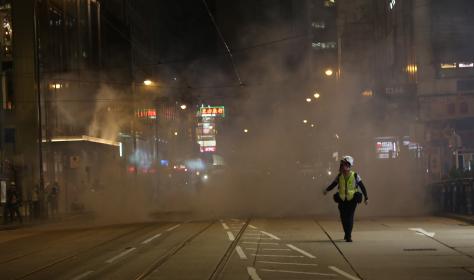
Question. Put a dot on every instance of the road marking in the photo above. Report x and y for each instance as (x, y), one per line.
(251, 249)
(299, 272)
(254, 227)
(111, 260)
(173, 228)
(231, 236)
(252, 234)
(269, 262)
(261, 243)
(276, 249)
(240, 252)
(343, 273)
(422, 231)
(83, 275)
(151, 238)
(225, 226)
(279, 256)
(253, 273)
(301, 251)
(270, 235)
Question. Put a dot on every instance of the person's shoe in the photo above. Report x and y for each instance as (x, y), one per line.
(348, 239)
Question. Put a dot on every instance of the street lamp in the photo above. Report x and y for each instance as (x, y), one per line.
(308, 100)
(305, 121)
(147, 82)
(175, 133)
(312, 125)
(317, 95)
(246, 130)
(328, 72)
(183, 107)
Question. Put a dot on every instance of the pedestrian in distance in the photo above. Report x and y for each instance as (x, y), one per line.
(14, 204)
(53, 199)
(348, 196)
(35, 202)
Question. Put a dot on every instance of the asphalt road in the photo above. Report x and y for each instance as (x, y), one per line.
(291, 248)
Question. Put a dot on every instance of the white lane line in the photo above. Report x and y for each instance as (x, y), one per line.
(252, 234)
(173, 227)
(422, 231)
(277, 256)
(343, 273)
(83, 275)
(261, 243)
(231, 236)
(225, 226)
(151, 238)
(276, 249)
(253, 273)
(240, 252)
(298, 272)
(251, 249)
(301, 251)
(270, 235)
(111, 260)
(235, 220)
(287, 263)
(254, 227)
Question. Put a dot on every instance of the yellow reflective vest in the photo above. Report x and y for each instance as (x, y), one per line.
(347, 188)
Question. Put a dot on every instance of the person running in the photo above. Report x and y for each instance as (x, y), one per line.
(348, 195)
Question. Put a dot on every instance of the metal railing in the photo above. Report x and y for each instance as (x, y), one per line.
(454, 196)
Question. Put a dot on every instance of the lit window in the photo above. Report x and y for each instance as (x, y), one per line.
(329, 3)
(391, 4)
(466, 64)
(323, 45)
(448, 65)
(318, 25)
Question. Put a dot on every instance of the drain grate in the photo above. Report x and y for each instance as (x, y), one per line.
(419, 249)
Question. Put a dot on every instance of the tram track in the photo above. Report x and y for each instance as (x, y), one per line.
(171, 252)
(77, 254)
(230, 250)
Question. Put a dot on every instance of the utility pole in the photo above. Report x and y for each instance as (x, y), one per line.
(38, 101)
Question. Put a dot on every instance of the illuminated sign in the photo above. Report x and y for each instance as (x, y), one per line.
(208, 149)
(386, 147)
(146, 114)
(214, 111)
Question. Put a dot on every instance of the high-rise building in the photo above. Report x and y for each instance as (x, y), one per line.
(424, 72)
(62, 64)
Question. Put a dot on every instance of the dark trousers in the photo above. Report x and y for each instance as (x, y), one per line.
(346, 212)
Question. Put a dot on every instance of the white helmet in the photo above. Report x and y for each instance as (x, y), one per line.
(348, 159)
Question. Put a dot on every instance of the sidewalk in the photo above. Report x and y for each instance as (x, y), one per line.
(28, 223)
(465, 218)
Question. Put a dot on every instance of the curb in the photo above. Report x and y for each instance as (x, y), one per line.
(463, 218)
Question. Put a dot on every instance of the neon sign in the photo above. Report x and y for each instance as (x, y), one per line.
(215, 111)
(146, 113)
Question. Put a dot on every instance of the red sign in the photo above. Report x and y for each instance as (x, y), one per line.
(146, 114)
(208, 149)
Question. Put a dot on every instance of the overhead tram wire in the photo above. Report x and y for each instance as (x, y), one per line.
(236, 72)
(183, 60)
